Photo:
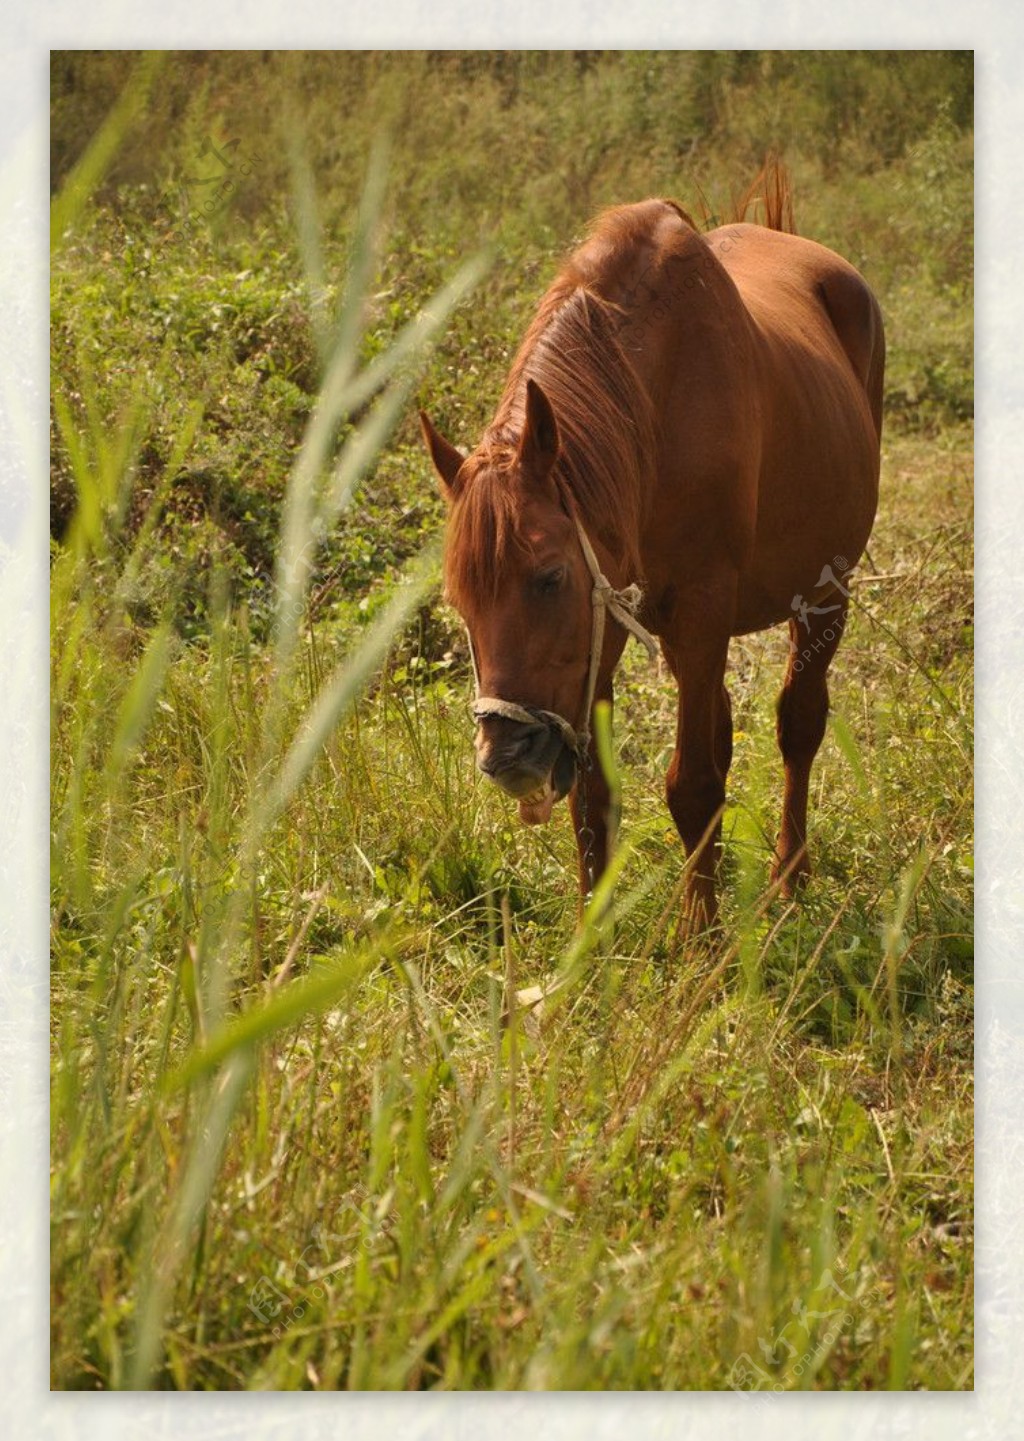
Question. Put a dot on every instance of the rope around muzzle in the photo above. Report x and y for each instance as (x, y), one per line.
(622, 605)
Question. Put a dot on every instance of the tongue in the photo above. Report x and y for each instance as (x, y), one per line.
(535, 809)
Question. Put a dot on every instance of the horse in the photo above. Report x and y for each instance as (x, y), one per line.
(687, 448)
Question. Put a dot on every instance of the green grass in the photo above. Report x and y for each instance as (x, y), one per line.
(303, 1133)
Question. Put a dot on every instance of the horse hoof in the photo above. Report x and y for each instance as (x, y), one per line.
(791, 874)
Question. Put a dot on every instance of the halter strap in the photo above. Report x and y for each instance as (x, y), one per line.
(622, 605)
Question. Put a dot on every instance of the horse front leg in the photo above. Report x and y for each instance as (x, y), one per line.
(589, 802)
(695, 782)
(695, 791)
(590, 797)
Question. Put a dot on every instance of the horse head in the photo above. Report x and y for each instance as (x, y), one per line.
(515, 571)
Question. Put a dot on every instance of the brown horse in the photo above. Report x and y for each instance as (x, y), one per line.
(698, 413)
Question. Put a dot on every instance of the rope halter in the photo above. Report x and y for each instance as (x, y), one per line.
(622, 605)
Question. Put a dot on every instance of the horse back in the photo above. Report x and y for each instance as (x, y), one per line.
(821, 354)
(802, 295)
(761, 355)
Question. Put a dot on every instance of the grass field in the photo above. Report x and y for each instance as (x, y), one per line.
(303, 1134)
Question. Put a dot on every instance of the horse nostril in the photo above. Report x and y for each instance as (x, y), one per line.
(494, 755)
(487, 761)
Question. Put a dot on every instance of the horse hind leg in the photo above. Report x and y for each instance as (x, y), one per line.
(801, 717)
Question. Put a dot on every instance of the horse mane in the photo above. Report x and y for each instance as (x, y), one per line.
(606, 434)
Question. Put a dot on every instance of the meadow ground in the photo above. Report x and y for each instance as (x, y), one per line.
(303, 1135)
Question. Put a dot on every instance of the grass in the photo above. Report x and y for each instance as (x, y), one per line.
(304, 1134)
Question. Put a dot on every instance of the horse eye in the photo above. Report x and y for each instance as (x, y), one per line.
(549, 581)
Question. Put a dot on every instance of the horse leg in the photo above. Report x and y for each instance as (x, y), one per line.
(695, 784)
(589, 802)
(801, 715)
(590, 798)
(723, 733)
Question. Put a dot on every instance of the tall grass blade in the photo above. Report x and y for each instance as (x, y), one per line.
(363, 255)
(307, 222)
(139, 703)
(408, 344)
(88, 173)
(604, 742)
(851, 753)
(308, 996)
(342, 690)
(201, 1168)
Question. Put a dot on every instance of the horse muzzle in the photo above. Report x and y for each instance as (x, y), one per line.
(530, 762)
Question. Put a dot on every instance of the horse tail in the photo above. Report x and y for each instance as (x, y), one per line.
(770, 196)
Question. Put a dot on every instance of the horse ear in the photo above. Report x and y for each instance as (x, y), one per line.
(538, 448)
(447, 460)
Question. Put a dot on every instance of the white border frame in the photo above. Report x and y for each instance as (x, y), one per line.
(30, 1409)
